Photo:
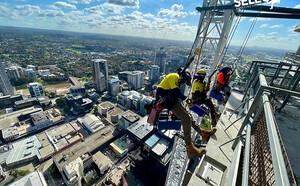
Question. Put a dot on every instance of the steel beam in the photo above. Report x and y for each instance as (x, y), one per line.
(275, 9)
(266, 15)
(234, 167)
(280, 172)
(199, 9)
(282, 91)
(246, 157)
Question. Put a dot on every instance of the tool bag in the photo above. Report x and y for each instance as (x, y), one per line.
(152, 119)
(200, 110)
(219, 96)
(168, 121)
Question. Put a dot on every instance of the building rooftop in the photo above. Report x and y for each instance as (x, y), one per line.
(107, 105)
(36, 83)
(160, 147)
(115, 111)
(11, 131)
(54, 115)
(130, 116)
(152, 140)
(58, 138)
(114, 80)
(72, 167)
(98, 60)
(74, 81)
(88, 145)
(22, 150)
(91, 121)
(34, 178)
(120, 144)
(141, 128)
(44, 99)
(38, 117)
(9, 119)
(131, 72)
(101, 161)
(28, 100)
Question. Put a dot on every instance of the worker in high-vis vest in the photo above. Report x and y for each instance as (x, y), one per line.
(167, 96)
(199, 95)
(223, 81)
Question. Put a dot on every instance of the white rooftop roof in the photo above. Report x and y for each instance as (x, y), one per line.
(32, 179)
(141, 128)
(22, 150)
(161, 146)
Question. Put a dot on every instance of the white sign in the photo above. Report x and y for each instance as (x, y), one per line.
(239, 3)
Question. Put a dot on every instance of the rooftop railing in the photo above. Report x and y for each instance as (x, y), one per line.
(265, 161)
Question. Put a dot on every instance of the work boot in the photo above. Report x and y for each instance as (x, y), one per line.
(193, 151)
(207, 133)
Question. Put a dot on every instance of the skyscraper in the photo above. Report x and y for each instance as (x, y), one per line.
(133, 78)
(35, 89)
(100, 74)
(113, 86)
(154, 73)
(30, 73)
(167, 67)
(136, 79)
(5, 86)
(160, 59)
(15, 72)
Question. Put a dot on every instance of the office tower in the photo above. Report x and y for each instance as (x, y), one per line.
(113, 86)
(167, 67)
(15, 72)
(154, 73)
(35, 89)
(5, 86)
(31, 73)
(100, 74)
(32, 67)
(133, 78)
(160, 59)
(136, 79)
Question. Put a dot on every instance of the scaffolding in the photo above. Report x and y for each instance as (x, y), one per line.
(265, 161)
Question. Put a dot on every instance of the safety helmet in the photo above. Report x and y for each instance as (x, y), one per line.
(185, 77)
(225, 70)
(200, 72)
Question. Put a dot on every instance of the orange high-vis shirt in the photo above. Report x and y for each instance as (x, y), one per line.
(221, 79)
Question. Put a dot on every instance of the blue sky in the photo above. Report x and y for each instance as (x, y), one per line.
(169, 19)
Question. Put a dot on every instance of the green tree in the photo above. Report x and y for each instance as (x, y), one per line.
(95, 109)
(60, 103)
(20, 173)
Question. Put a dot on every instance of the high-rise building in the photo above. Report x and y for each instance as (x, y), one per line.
(100, 74)
(113, 86)
(5, 86)
(35, 89)
(31, 73)
(145, 100)
(136, 79)
(154, 73)
(160, 59)
(46, 72)
(167, 67)
(32, 67)
(15, 72)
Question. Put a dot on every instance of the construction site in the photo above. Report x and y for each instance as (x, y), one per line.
(255, 142)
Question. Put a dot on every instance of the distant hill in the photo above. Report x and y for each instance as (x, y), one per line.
(249, 50)
(155, 43)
